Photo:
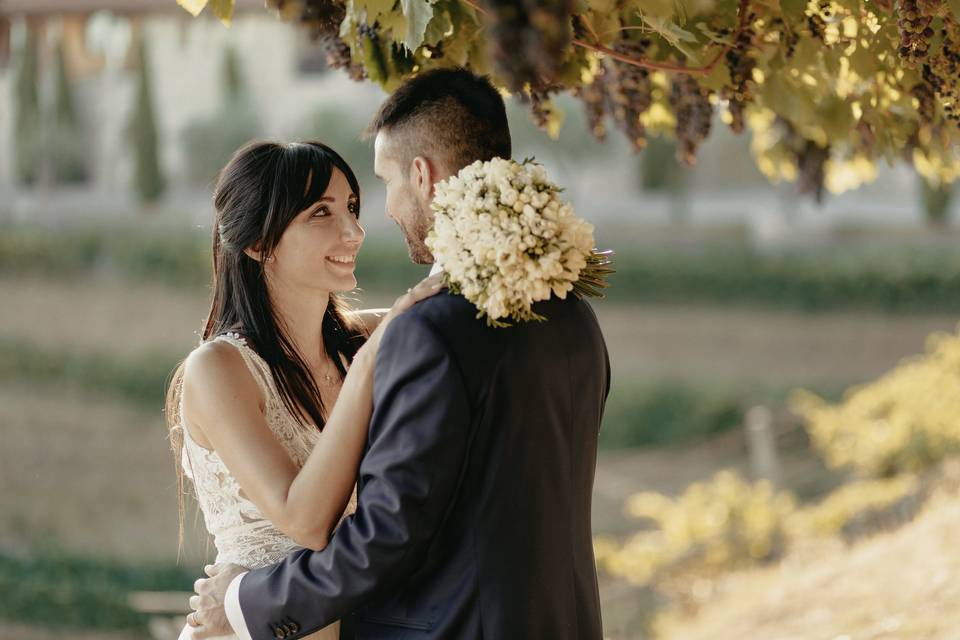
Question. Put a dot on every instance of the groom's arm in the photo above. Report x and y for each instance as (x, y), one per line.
(418, 442)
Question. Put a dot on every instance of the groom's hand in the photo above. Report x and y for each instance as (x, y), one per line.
(208, 618)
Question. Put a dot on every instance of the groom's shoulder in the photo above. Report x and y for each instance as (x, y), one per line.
(445, 309)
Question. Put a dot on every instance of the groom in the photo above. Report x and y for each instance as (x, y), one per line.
(473, 518)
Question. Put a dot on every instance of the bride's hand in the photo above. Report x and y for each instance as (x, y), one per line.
(424, 289)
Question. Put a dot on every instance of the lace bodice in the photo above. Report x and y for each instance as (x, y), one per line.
(241, 534)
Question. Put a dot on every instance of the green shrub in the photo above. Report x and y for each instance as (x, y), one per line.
(901, 279)
(895, 280)
(141, 381)
(640, 414)
(60, 590)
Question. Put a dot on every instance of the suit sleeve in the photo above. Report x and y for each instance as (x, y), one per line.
(409, 475)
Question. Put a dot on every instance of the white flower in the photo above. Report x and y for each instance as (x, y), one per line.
(505, 239)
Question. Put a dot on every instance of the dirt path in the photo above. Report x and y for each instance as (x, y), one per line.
(652, 342)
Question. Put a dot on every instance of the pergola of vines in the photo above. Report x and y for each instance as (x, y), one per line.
(827, 88)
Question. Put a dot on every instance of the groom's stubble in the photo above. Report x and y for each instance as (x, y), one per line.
(416, 230)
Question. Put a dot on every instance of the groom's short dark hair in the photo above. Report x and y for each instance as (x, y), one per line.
(448, 113)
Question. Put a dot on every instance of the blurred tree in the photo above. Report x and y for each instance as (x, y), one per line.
(936, 199)
(234, 85)
(67, 145)
(660, 172)
(149, 178)
(827, 87)
(26, 107)
(339, 127)
(209, 141)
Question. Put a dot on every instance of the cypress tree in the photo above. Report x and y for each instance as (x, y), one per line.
(68, 147)
(26, 133)
(149, 179)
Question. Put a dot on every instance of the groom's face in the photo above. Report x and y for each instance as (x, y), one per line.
(408, 201)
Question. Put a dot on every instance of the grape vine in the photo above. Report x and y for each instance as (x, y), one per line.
(826, 88)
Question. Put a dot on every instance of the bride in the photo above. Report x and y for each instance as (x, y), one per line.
(264, 419)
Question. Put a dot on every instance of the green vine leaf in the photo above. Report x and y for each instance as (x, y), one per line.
(418, 14)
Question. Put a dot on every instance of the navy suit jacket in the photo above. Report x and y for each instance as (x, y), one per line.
(473, 518)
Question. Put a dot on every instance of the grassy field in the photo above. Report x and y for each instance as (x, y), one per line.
(89, 474)
(645, 341)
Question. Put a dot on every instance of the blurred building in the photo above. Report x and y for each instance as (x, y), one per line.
(286, 74)
(288, 83)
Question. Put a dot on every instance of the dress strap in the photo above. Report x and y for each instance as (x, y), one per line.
(257, 366)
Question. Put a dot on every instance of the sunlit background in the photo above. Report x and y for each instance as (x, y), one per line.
(731, 294)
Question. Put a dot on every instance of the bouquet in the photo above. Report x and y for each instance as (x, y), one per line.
(506, 240)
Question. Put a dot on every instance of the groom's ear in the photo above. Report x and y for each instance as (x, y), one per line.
(421, 176)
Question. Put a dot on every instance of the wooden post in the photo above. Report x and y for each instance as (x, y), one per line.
(761, 445)
(167, 611)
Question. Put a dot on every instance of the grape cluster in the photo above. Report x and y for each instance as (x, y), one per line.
(934, 8)
(529, 39)
(594, 99)
(339, 56)
(788, 37)
(741, 59)
(321, 17)
(942, 71)
(692, 109)
(926, 99)
(629, 91)
(541, 109)
(817, 26)
(915, 32)
(374, 61)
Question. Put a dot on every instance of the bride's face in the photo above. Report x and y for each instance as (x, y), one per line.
(318, 249)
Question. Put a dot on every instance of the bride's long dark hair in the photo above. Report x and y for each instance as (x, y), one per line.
(258, 193)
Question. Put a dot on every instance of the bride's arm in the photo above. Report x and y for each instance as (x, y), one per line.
(222, 399)
(372, 318)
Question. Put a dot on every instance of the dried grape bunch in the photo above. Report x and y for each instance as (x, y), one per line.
(529, 39)
(594, 98)
(321, 17)
(540, 106)
(374, 61)
(629, 92)
(692, 109)
(741, 59)
(934, 8)
(942, 71)
(915, 32)
(339, 56)
(817, 26)
(926, 101)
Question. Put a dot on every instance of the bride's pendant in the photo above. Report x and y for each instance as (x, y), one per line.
(330, 381)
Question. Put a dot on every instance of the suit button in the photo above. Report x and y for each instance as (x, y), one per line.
(294, 627)
(279, 633)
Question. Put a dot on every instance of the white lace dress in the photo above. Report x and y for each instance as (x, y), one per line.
(241, 534)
